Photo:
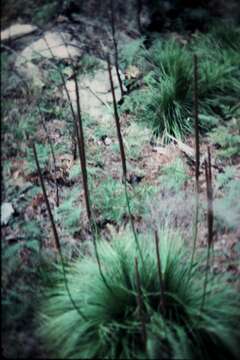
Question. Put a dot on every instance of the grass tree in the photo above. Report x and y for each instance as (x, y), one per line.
(130, 321)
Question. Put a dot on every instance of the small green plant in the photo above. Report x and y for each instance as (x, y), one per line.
(113, 327)
(20, 285)
(174, 176)
(224, 178)
(69, 211)
(227, 208)
(45, 13)
(44, 156)
(136, 137)
(110, 200)
(227, 139)
(133, 53)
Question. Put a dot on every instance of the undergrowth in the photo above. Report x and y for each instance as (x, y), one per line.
(112, 328)
(110, 201)
(165, 102)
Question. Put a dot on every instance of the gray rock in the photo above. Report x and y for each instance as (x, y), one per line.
(60, 44)
(7, 211)
(95, 93)
(61, 48)
(16, 31)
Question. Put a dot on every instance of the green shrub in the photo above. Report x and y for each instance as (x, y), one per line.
(112, 328)
(69, 211)
(165, 102)
(109, 199)
(43, 152)
(174, 176)
(227, 139)
(227, 208)
(20, 257)
(136, 136)
(132, 53)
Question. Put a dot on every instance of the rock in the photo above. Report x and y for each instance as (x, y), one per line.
(60, 44)
(95, 93)
(107, 141)
(39, 49)
(61, 19)
(132, 72)
(6, 212)
(31, 72)
(16, 31)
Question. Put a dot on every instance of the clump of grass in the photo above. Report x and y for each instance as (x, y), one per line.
(174, 176)
(227, 140)
(227, 208)
(166, 100)
(112, 327)
(110, 200)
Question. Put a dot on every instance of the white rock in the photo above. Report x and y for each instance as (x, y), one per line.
(95, 93)
(17, 30)
(107, 141)
(60, 44)
(38, 49)
(6, 212)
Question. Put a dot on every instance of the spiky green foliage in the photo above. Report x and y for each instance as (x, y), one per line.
(20, 257)
(113, 327)
(174, 176)
(132, 53)
(110, 199)
(69, 211)
(227, 207)
(166, 100)
(227, 139)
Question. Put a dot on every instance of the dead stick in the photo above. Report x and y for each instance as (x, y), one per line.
(197, 156)
(208, 177)
(55, 233)
(139, 9)
(82, 152)
(52, 153)
(196, 120)
(210, 200)
(83, 164)
(117, 122)
(160, 274)
(140, 304)
(123, 158)
(115, 47)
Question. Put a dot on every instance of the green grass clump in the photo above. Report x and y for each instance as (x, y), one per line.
(227, 139)
(174, 176)
(165, 101)
(69, 211)
(112, 328)
(110, 199)
(133, 53)
(227, 207)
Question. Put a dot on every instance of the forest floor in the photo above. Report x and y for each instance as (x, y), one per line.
(161, 180)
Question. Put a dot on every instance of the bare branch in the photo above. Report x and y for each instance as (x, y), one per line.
(160, 274)
(140, 304)
(196, 118)
(209, 199)
(116, 57)
(197, 160)
(123, 158)
(55, 233)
